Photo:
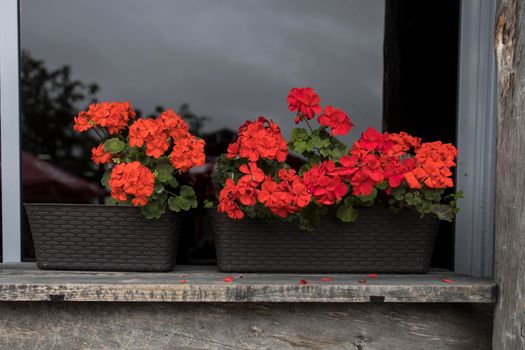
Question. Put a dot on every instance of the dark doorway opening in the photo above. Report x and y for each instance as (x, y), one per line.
(421, 51)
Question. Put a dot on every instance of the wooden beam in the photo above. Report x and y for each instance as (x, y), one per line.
(23, 282)
(229, 326)
(509, 318)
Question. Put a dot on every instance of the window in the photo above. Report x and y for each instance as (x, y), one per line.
(393, 64)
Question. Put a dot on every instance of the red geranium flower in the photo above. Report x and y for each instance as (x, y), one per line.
(336, 119)
(187, 153)
(305, 101)
(259, 139)
(324, 183)
(227, 201)
(82, 122)
(132, 179)
(99, 155)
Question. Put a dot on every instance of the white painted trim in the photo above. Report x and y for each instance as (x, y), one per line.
(476, 139)
(10, 131)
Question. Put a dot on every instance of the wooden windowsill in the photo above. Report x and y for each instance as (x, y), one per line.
(25, 282)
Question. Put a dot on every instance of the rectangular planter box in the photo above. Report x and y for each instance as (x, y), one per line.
(379, 241)
(102, 237)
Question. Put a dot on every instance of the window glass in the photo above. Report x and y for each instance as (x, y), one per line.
(217, 62)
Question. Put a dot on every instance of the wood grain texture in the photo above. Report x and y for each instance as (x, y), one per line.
(276, 326)
(23, 282)
(509, 323)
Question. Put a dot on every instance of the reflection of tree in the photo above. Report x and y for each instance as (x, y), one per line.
(50, 99)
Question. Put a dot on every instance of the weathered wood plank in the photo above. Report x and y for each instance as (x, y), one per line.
(204, 284)
(509, 323)
(280, 326)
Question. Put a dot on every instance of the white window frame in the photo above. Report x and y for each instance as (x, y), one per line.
(476, 139)
(476, 136)
(10, 131)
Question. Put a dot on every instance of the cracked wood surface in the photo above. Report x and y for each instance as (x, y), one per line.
(509, 251)
(24, 282)
(282, 326)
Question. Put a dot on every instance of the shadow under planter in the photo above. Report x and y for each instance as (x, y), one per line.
(102, 238)
(379, 241)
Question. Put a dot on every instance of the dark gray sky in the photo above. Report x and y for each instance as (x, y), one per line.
(230, 59)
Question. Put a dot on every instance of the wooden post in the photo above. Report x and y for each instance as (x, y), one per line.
(509, 318)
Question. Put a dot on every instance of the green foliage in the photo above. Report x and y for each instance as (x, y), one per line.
(226, 168)
(163, 171)
(347, 212)
(317, 143)
(208, 204)
(369, 199)
(156, 206)
(426, 201)
(114, 145)
(105, 179)
(184, 201)
(310, 217)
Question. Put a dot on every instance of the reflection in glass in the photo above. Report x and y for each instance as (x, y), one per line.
(217, 62)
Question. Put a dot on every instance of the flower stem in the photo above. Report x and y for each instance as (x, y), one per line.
(311, 130)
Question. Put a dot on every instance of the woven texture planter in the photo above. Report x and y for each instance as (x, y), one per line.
(379, 241)
(103, 238)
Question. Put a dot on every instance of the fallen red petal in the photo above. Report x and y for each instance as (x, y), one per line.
(182, 276)
(183, 281)
(447, 280)
(303, 282)
(325, 279)
(362, 281)
(228, 279)
(372, 275)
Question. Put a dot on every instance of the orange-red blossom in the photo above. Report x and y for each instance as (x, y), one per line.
(132, 180)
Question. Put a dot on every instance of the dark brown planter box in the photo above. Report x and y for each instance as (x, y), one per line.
(102, 238)
(379, 241)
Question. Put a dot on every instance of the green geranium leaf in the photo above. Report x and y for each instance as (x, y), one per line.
(184, 201)
(398, 193)
(309, 218)
(443, 212)
(153, 210)
(412, 199)
(208, 204)
(347, 213)
(173, 182)
(370, 197)
(382, 186)
(187, 192)
(432, 195)
(105, 179)
(164, 172)
(114, 145)
(111, 201)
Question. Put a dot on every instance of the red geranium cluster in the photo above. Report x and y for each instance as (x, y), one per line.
(114, 116)
(259, 139)
(305, 102)
(99, 155)
(337, 120)
(286, 196)
(434, 162)
(187, 153)
(395, 158)
(324, 183)
(334, 175)
(136, 156)
(282, 196)
(132, 180)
